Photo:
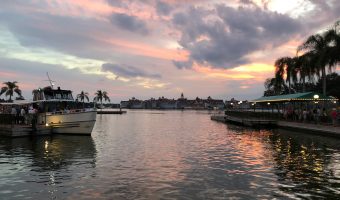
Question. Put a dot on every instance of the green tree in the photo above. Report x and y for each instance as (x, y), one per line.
(10, 88)
(82, 96)
(333, 83)
(100, 95)
(285, 66)
(326, 48)
(274, 87)
(305, 68)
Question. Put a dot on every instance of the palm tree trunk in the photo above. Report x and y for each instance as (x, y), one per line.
(304, 84)
(324, 81)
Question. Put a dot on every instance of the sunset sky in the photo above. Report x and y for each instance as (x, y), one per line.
(154, 48)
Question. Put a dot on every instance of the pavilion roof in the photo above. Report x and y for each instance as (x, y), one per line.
(305, 96)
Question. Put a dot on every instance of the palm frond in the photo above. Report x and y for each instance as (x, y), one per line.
(3, 90)
(18, 91)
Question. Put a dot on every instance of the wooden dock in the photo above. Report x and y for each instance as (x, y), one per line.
(16, 130)
(325, 130)
(112, 112)
(251, 122)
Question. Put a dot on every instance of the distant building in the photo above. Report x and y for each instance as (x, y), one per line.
(237, 104)
(180, 103)
(124, 104)
(151, 104)
(210, 103)
(231, 103)
(133, 103)
(164, 103)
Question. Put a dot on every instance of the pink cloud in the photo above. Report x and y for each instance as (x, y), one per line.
(138, 48)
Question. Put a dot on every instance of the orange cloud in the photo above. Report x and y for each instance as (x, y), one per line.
(254, 67)
(138, 48)
(254, 72)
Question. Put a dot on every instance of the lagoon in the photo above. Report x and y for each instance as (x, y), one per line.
(156, 154)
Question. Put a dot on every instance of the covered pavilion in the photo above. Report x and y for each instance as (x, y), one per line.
(297, 97)
(293, 103)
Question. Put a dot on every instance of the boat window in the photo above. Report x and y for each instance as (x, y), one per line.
(38, 96)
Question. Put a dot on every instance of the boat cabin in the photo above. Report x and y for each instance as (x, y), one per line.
(49, 94)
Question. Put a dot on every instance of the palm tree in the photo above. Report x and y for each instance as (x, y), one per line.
(332, 37)
(10, 88)
(273, 86)
(100, 95)
(306, 68)
(326, 47)
(285, 65)
(82, 96)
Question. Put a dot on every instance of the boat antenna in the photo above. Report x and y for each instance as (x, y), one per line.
(49, 80)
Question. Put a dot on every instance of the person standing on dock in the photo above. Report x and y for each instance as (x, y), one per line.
(304, 115)
(334, 116)
(14, 114)
(22, 115)
(318, 115)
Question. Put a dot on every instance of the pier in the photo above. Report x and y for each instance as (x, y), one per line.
(112, 112)
(12, 126)
(251, 122)
(317, 129)
(17, 130)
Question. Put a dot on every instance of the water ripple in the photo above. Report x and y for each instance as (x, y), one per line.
(170, 155)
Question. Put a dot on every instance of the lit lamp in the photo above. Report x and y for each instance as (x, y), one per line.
(268, 103)
(316, 96)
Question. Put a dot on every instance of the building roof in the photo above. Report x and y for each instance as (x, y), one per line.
(306, 96)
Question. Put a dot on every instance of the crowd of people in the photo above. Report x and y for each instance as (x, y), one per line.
(315, 115)
(20, 114)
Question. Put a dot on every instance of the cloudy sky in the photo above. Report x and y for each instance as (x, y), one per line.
(152, 48)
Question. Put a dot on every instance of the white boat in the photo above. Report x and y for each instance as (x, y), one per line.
(58, 109)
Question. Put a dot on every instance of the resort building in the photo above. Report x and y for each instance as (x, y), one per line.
(180, 103)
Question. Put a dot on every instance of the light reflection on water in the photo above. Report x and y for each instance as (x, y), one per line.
(170, 154)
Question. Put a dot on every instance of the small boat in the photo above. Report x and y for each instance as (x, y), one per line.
(58, 109)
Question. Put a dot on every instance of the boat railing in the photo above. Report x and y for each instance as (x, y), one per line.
(63, 112)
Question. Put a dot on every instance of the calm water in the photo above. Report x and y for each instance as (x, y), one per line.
(170, 155)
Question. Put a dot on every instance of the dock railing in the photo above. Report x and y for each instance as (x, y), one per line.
(246, 113)
(278, 115)
(7, 119)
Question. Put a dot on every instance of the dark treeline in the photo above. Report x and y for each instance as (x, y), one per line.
(311, 69)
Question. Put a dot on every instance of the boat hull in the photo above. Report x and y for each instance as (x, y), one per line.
(81, 123)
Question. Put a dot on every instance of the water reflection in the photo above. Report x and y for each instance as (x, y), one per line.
(41, 166)
(171, 155)
(306, 166)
